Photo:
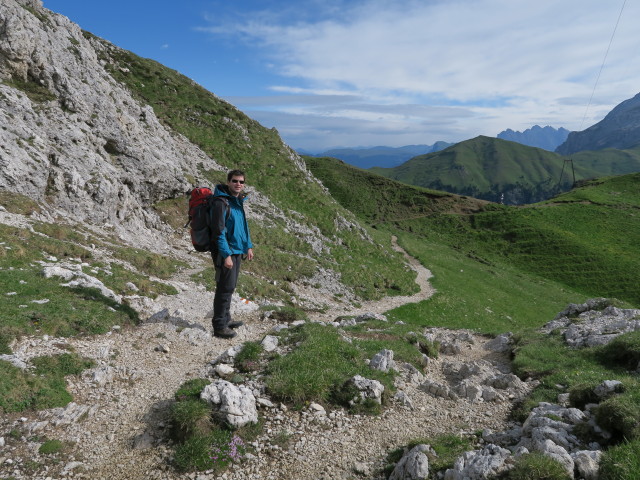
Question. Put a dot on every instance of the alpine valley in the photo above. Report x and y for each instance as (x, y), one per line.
(399, 323)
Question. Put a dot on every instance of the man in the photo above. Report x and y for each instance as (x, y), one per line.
(232, 244)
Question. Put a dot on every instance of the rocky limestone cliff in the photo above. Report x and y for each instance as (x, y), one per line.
(72, 135)
(542, 137)
(619, 129)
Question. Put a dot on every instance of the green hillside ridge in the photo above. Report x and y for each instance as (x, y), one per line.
(378, 199)
(488, 168)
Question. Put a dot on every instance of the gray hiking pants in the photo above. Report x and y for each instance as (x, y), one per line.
(226, 280)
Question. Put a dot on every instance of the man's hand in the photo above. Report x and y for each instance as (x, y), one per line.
(250, 254)
(228, 262)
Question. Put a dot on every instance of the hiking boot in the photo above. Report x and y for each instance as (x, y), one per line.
(224, 333)
(235, 324)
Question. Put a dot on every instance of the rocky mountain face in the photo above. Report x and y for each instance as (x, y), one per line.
(619, 129)
(73, 135)
(542, 137)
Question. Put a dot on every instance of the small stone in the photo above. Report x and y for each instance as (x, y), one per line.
(270, 343)
(223, 370)
(317, 408)
(362, 469)
(143, 441)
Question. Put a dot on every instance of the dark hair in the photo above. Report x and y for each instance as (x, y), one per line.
(235, 173)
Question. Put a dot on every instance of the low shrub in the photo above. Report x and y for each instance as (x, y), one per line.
(214, 451)
(623, 351)
(202, 444)
(51, 446)
(582, 394)
(44, 387)
(288, 314)
(194, 454)
(448, 448)
(620, 415)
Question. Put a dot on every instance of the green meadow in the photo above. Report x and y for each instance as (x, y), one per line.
(512, 269)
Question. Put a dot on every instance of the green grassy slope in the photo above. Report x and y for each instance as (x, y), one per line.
(236, 141)
(587, 240)
(486, 167)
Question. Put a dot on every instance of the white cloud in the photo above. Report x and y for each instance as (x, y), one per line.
(477, 66)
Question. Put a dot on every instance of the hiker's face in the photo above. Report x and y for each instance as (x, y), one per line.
(236, 184)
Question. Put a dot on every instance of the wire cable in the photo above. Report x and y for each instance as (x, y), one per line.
(602, 66)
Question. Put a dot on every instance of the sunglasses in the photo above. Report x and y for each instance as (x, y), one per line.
(237, 181)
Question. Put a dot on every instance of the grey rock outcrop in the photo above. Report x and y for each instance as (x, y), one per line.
(479, 464)
(587, 464)
(502, 343)
(476, 381)
(76, 278)
(593, 323)
(15, 361)
(73, 134)
(235, 405)
(549, 429)
(383, 361)
(270, 343)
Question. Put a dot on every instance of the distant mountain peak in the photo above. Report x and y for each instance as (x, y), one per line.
(546, 137)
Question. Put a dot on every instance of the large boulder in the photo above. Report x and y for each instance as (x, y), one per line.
(76, 137)
(234, 405)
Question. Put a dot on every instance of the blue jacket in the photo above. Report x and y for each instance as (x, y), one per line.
(235, 239)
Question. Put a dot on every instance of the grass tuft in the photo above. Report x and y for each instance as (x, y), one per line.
(621, 462)
(247, 360)
(536, 466)
(623, 351)
(50, 447)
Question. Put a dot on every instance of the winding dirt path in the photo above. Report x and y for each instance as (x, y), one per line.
(387, 303)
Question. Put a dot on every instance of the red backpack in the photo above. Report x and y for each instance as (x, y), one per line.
(207, 217)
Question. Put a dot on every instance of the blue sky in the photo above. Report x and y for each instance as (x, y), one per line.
(351, 73)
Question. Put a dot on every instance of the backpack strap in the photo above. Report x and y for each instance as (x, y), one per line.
(220, 211)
